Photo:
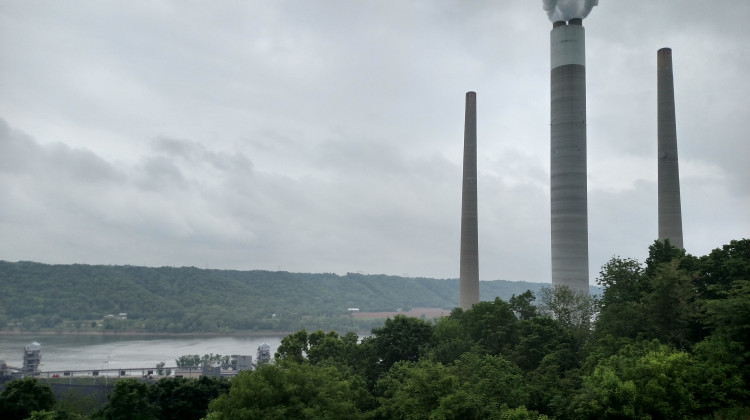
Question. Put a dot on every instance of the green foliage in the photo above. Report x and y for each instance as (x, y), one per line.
(411, 390)
(647, 380)
(333, 349)
(523, 305)
(521, 413)
(59, 414)
(186, 399)
(129, 399)
(400, 339)
(75, 405)
(539, 337)
(165, 399)
(670, 305)
(449, 340)
(624, 283)
(554, 383)
(292, 348)
(571, 308)
(718, 374)
(188, 299)
(491, 325)
(728, 314)
(21, 397)
(661, 252)
(495, 381)
(189, 360)
(297, 391)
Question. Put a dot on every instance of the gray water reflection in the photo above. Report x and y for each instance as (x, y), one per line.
(81, 352)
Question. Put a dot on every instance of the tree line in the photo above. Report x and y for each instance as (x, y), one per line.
(188, 299)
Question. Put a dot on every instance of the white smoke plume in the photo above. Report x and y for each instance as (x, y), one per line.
(568, 9)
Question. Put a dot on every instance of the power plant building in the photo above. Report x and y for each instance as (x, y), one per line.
(469, 272)
(569, 207)
(670, 213)
(32, 357)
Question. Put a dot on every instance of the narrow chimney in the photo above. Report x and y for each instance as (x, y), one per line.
(569, 207)
(670, 212)
(469, 283)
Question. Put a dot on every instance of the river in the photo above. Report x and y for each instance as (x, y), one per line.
(88, 352)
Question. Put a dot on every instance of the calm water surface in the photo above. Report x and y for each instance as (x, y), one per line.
(83, 352)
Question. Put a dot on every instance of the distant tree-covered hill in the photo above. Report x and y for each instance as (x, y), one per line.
(35, 295)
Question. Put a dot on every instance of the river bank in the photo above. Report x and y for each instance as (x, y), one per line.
(124, 351)
(131, 333)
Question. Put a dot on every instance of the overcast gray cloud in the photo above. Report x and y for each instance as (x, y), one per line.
(327, 136)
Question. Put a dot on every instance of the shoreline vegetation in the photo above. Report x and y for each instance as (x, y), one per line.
(152, 333)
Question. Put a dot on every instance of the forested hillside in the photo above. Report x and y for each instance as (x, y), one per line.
(190, 299)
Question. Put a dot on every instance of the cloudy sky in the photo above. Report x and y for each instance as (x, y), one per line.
(327, 136)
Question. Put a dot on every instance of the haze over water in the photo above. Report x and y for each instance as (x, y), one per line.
(82, 352)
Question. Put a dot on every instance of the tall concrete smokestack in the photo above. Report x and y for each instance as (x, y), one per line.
(469, 284)
(670, 212)
(570, 259)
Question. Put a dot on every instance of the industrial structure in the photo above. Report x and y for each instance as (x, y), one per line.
(569, 207)
(263, 356)
(32, 357)
(469, 272)
(670, 212)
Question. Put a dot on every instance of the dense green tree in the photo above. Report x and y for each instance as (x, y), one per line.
(552, 385)
(729, 313)
(295, 391)
(491, 325)
(22, 396)
(462, 404)
(644, 380)
(622, 280)
(670, 305)
(293, 348)
(400, 339)
(413, 390)
(719, 375)
(496, 381)
(620, 313)
(722, 267)
(129, 399)
(185, 399)
(449, 341)
(661, 252)
(188, 360)
(333, 349)
(539, 337)
(76, 405)
(521, 413)
(523, 305)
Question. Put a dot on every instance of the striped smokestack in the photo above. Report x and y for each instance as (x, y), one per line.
(670, 213)
(569, 209)
(469, 284)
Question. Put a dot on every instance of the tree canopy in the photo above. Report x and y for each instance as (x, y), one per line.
(666, 339)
